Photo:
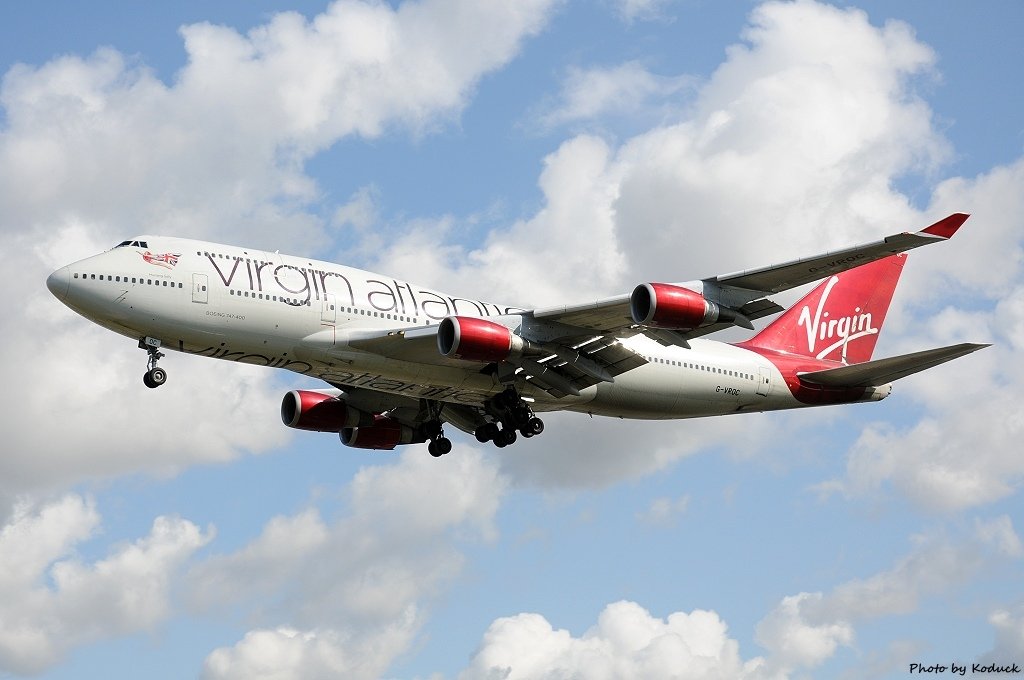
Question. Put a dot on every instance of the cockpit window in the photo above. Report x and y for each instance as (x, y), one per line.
(138, 244)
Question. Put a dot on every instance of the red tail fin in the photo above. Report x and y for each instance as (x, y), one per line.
(840, 319)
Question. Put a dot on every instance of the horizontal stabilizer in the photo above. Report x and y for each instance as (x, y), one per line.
(882, 371)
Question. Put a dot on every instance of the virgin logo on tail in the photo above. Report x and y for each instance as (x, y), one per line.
(822, 328)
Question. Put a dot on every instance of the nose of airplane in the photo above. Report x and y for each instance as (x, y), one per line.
(58, 283)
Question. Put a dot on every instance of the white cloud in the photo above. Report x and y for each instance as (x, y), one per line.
(801, 633)
(627, 642)
(951, 458)
(51, 601)
(568, 248)
(1008, 625)
(281, 653)
(626, 89)
(795, 642)
(805, 630)
(663, 511)
(352, 592)
(1000, 534)
(221, 149)
(640, 10)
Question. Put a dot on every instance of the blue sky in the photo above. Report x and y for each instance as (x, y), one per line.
(556, 152)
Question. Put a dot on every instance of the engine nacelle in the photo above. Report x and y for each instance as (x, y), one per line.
(320, 411)
(662, 305)
(473, 339)
(383, 434)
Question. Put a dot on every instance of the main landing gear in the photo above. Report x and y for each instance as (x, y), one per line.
(512, 413)
(154, 376)
(439, 444)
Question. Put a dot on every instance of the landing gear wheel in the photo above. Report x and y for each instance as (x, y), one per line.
(155, 377)
(439, 447)
(532, 427)
(505, 438)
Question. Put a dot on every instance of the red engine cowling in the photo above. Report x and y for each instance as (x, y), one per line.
(320, 412)
(472, 339)
(383, 433)
(662, 305)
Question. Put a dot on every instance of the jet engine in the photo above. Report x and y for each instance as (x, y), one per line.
(472, 339)
(383, 433)
(320, 411)
(661, 305)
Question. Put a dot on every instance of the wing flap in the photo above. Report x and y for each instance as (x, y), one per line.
(594, 360)
(882, 371)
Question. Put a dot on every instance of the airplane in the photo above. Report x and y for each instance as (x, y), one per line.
(403, 360)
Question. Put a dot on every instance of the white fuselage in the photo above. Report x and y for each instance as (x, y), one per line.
(298, 314)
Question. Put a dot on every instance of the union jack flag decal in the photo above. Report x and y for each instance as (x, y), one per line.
(167, 260)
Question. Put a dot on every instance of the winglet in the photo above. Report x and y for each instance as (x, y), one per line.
(946, 227)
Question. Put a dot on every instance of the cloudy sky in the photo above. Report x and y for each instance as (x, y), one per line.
(530, 153)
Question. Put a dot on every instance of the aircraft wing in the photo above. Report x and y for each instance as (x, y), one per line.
(746, 291)
(779, 277)
(560, 366)
(882, 371)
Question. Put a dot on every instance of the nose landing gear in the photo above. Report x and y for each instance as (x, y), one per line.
(154, 376)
